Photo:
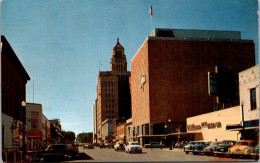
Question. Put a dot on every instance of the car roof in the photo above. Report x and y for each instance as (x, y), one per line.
(245, 141)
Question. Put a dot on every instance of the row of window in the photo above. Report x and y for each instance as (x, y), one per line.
(109, 111)
(110, 117)
(110, 106)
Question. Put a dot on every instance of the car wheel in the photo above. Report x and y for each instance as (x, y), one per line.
(186, 152)
(194, 153)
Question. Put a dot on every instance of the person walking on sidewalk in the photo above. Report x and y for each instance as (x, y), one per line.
(161, 144)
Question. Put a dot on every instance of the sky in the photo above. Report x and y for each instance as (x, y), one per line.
(61, 42)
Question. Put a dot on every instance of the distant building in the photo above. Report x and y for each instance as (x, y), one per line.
(37, 125)
(169, 77)
(56, 131)
(95, 122)
(13, 92)
(113, 90)
(107, 129)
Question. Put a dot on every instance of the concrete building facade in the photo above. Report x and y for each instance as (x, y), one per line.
(38, 127)
(211, 126)
(113, 91)
(169, 76)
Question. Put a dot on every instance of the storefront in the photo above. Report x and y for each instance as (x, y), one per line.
(213, 125)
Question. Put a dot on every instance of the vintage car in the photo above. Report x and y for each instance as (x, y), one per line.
(133, 147)
(54, 152)
(197, 147)
(119, 146)
(154, 145)
(222, 148)
(183, 144)
(88, 146)
(242, 148)
(188, 146)
(255, 153)
(211, 148)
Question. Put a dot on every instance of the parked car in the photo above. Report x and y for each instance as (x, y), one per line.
(154, 145)
(74, 147)
(223, 147)
(119, 146)
(54, 152)
(88, 146)
(183, 143)
(209, 150)
(107, 145)
(242, 148)
(255, 153)
(133, 147)
(197, 147)
(188, 146)
(96, 144)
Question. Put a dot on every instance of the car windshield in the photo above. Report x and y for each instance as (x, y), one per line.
(197, 143)
(134, 144)
(227, 143)
(241, 143)
(191, 143)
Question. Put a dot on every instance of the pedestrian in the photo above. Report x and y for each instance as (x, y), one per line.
(161, 144)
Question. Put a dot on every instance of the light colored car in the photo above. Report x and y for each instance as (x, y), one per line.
(242, 148)
(209, 150)
(119, 146)
(133, 147)
(188, 146)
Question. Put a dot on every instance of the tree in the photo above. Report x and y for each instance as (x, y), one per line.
(69, 136)
(85, 137)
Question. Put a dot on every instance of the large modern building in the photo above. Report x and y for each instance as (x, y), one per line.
(113, 90)
(13, 84)
(169, 76)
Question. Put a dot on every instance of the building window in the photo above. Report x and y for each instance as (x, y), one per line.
(253, 98)
(137, 130)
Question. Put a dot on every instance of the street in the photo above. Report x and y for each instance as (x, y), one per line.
(148, 155)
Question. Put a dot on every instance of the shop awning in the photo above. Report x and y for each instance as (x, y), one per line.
(143, 136)
(185, 133)
(249, 125)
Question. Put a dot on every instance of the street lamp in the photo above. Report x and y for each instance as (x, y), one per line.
(243, 122)
(24, 116)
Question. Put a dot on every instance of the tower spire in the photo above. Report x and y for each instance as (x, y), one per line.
(117, 40)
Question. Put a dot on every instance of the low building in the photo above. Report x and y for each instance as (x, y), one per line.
(107, 129)
(211, 126)
(56, 132)
(249, 102)
(235, 123)
(34, 128)
(129, 130)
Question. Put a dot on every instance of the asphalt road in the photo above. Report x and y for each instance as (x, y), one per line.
(148, 155)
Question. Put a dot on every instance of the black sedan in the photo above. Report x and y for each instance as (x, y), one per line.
(54, 152)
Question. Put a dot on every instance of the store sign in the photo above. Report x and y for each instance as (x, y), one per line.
(193, 127)
(211, 125)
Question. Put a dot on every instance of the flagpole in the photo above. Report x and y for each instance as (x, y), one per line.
(151, 16)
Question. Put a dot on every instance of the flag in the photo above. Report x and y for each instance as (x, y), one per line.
(151, 11)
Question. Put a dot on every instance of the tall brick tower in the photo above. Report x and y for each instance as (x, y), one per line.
(113, 90)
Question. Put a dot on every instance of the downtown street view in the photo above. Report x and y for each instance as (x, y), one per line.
(167, 92)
